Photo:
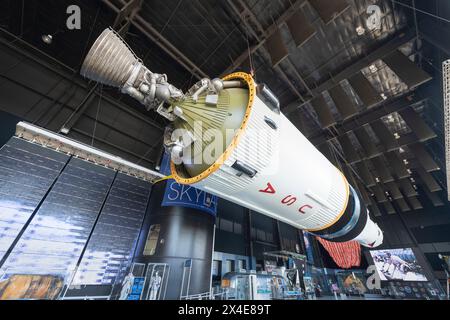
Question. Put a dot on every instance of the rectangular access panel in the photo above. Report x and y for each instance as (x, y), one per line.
(423, 157)
(417, 124)
(434, 198)
(323, 111)
(428, 179)
(379, 194)
(373, 208)
(27, 172)
(365, 174)
(394, 191)
(407, 187)
(344, 104)
(366, 142)
(363, 192)
(364, 89)
(403, 205)
(276, 48)
(381, 169)
(389, 208)
(301, 29)
(406, 70)
(415, 203)
(398, 166)
(325, 149)
(384, 135)
(349, 150)
(328, 10)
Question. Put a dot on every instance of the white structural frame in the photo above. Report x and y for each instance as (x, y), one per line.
(446, 90)
(77, 149)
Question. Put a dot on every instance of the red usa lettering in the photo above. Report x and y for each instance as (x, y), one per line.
(288, 200)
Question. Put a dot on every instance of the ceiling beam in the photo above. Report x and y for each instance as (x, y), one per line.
(67, 73)
(371, 115)
(261, 36)
(265, 34)
(385, 49)
(149, 31)
(434, 33)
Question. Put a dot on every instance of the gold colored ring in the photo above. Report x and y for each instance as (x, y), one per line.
(219, 162)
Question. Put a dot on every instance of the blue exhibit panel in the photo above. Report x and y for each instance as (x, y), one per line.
(55, 238)
(110, 251)
(178, 195)
(27, 171)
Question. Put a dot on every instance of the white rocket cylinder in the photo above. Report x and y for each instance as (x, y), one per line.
(271, 168)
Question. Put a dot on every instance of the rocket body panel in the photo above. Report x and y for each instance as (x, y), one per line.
(294, 182)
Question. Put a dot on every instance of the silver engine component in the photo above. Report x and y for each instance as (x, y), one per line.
(111, 62)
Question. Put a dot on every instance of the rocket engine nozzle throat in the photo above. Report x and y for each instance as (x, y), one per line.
(298, 186)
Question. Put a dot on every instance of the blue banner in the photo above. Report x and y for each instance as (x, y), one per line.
(178, 195)
(308, 246)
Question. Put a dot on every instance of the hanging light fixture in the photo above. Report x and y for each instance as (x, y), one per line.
(47, 38)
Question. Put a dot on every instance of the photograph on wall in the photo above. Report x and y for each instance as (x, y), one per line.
(398, 264)
(354, 284)
(152, 240)
(31, 287)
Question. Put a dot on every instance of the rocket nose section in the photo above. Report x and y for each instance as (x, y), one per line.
(371, 236)
(377, 242)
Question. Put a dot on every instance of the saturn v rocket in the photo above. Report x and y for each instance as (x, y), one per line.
(228, 137)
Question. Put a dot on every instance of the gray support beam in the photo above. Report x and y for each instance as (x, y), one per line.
(434, 33)
(380, 167)
(393, 190)
(329, 10)
(276, 48)
(344, 104)
(379, 194)
(424, 157)
(366, 143)
(428, 180)
(268, 32)
(398, 166)
(406, 70)
(67, 73)
(271, 38)
(126, 15)
(373, 208)
(404, 207)
(349, 150)
(323, 111)
(301, 29)
(364, 89)
(415, 203)
(434, 198)
(372, 115)
(385, 49)
(407, 188)
(365, 174)
(79, 110)
(384, 135)
(147, 29)
(389, 208)
(412, 75)
(417, 124)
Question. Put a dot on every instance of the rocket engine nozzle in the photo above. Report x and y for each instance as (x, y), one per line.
(111, 62)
